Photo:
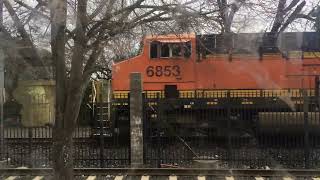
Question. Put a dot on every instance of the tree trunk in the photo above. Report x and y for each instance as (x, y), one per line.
(1, 12)
(62, 138)
(63, 133)
(68, 92)
(62, 154)
(279, 19)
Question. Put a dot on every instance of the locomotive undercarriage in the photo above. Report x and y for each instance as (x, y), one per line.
(224, 117)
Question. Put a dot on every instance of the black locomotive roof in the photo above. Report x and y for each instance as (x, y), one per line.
(247, 42)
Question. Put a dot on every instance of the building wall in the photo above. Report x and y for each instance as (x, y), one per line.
(37, 98)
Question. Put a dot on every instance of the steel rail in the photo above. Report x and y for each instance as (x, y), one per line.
(170, 171)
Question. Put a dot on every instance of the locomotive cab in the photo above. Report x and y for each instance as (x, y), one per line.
(167, 60)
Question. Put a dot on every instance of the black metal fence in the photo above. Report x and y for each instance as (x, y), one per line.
(32, 147)
(94, 144)
(225, 129)
(233, 130)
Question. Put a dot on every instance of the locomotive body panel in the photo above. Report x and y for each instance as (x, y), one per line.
(243, 71)
(269, 73)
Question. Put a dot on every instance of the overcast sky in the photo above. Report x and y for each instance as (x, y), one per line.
(259, 22)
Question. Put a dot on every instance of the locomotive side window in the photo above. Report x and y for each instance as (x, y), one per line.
(187, 49)
(154, 50)
(169, 49)
(165, 50)
(176, 50)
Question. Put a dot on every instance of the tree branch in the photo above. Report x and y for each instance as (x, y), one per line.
(279, 19)
(293, 16)
(35, 60)
(33, 10)
(291, 5)
(303, 16)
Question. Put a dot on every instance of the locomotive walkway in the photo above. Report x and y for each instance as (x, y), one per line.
(165, 174)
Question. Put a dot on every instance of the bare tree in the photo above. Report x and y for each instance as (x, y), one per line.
(80, 32)
(26, 41)
(286, 14)
(315, 17)
(1, 12)
(93, 30)
(227, 12)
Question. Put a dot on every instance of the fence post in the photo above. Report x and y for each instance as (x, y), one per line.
(101, 124)
(30, 134)
(136, 124)
(230, 160)
(144, 126)
(306, 128)
(158, 129)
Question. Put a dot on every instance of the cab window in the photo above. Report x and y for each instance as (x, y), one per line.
(176, 50)
(165, 50)
(170, 50)
(153, 50)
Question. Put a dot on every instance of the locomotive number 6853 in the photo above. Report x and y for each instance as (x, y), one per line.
(166, 71)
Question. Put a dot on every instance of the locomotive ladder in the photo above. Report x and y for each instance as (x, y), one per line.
(102, 119)
(102, 112)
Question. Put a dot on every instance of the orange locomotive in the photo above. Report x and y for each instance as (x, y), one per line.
(252, 68)
(174, 60)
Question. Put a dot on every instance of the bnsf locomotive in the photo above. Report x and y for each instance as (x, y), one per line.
(254, 80)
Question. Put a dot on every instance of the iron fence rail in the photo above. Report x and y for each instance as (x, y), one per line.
(171, 171)
(19, 132)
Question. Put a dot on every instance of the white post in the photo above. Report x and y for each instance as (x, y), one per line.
(136, 124)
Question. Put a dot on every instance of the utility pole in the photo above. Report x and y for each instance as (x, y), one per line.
(2, 91)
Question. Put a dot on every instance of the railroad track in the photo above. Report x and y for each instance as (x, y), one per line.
(165, 174)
